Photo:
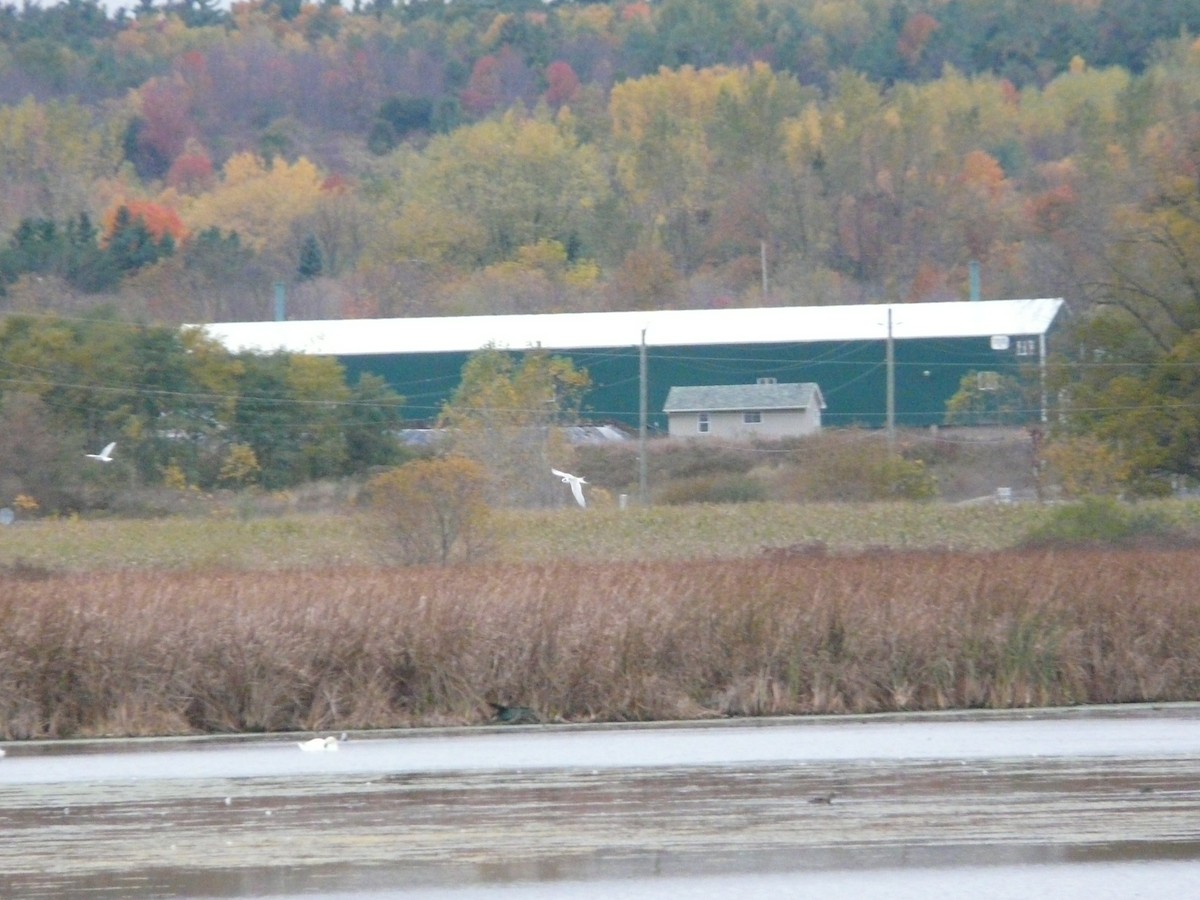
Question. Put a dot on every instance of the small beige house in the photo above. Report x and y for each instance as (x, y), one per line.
(766, 409)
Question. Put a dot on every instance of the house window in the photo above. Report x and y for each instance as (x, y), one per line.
(702, 423)
(1027, 347)
(752, 418)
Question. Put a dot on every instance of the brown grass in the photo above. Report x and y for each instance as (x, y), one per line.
(169, 652)
(352, 539)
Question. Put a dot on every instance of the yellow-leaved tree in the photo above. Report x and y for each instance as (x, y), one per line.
(659, 130)
(478, 195)
(259, 201)
(51, 157)
(506, 415)
(701, 155)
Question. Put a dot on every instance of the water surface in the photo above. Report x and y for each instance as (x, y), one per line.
(1088, 802)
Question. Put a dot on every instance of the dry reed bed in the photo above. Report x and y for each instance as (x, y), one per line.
(173, 653)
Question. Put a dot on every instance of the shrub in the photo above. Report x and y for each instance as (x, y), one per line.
(907, 479)
(696, 458)
(240, 466)
(1084, 466)
(1102, 520)
(856, 468)
(436, 509)
(714, 489)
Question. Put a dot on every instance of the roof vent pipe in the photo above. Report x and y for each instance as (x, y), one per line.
(280, 301)
(974, 279)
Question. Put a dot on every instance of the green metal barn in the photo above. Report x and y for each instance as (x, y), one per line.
(849, 351)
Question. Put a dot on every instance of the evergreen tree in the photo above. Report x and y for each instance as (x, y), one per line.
(87, 267)
(131, 245)
(73, 253)
(311, 264)
(147, 160)
(198, 13)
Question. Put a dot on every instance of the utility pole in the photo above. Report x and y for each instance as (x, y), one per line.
(642, 412)
(762, 261)
(1042, 372)
(891, 386)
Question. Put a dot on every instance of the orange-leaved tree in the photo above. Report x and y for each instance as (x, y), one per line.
(159, 220)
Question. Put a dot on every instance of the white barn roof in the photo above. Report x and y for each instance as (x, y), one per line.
(662, 328)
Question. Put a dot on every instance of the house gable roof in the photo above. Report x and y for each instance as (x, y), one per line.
(739, 397)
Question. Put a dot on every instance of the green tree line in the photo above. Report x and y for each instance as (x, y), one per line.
(182, 410)
(75, 253)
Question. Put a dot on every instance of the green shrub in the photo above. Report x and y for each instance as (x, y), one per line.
(1102, 520)
(907, 479)
(856, 468)
(714, 489)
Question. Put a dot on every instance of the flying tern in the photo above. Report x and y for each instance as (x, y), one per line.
(576, 483)
(104, 455)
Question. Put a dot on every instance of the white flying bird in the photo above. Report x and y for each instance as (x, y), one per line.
(576, 484)
(104, 455)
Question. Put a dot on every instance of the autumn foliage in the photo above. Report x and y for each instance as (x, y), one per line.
(862, 150)
(561, 83)
(160, 221)
(201, 652)
(192, 171)
(435, 510)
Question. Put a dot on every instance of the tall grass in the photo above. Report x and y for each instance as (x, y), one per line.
(170, 652)
(352, 538)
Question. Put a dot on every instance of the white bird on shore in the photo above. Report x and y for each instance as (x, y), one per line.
(104, 455)
(319, 745)
(576, 483)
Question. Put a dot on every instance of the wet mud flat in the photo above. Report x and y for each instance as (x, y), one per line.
(400, 814)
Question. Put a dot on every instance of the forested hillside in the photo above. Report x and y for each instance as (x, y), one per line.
(432, 158)
(174, 162)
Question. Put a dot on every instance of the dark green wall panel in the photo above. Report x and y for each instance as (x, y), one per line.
(852, 376)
